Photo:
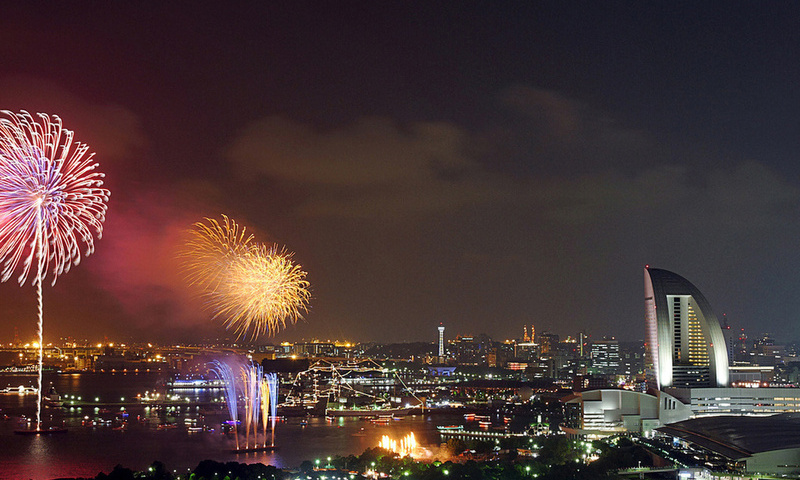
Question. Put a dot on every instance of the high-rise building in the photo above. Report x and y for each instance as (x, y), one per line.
(730, 339)
(548, 342)
(685, 344)
(605, 357)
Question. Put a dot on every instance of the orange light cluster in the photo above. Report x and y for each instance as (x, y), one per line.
(404, 448)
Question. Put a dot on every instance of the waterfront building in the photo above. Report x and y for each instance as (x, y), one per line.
(686, 347)
(600, 413)
(687, 359)
(315, 349)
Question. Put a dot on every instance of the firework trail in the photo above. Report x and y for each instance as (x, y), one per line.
(51, 202)
(251, 375)
(225, 373)
(260, 394)
(269, 403)
(253, 288)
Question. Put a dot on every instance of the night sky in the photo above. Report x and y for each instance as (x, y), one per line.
(484, 165)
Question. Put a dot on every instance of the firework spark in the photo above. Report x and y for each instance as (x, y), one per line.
(263, 290)
(225, 373)
(260, 398)
(253, 288)
(251, 377)
(210, 249)
(269, 403)
(405, 447)
(51, 201)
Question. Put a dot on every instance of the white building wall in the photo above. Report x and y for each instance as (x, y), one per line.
(739, 401)
(624, 410)
(775, 462)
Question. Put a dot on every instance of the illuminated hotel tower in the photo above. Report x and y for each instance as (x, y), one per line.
(685, 346)
(441, 343)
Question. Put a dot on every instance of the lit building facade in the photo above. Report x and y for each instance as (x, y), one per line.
(706, 402)
(685, 344)
(605, 357)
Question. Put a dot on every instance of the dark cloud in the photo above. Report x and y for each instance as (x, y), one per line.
(484, 167)
(507, 231)
(371, 167)
(115, 133)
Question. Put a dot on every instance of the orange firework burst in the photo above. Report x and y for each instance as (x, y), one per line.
(253, 288)
(211, 249)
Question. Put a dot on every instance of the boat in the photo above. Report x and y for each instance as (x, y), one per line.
(20, 390)
(194, 383)
(27, 370)
(53, 399)
(343, 389)
(367, 412)
(450, 428)
(21, 370)
(303, 408)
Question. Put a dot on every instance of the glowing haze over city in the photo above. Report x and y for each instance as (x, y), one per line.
(481, 165)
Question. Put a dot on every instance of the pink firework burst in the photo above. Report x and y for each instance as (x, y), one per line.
(51, 197)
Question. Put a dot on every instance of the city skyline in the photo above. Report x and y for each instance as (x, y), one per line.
(478, 165)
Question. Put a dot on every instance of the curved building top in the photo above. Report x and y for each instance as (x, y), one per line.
(685, 344)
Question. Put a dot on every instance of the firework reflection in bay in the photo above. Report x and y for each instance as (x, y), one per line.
(259, 398)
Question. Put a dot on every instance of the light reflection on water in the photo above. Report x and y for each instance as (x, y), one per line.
(94, 445)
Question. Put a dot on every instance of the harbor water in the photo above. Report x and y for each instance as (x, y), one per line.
(108, 427)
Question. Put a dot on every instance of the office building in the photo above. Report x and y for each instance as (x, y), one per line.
(605, 357)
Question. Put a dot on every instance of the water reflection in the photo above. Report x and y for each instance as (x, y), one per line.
(95, 442)
(38, 458)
